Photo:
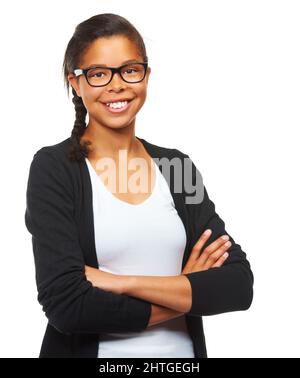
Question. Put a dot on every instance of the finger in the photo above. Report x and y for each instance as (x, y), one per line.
(200, 243)
(221, 260)
(195, 252)
(213, 247)
(214, 257)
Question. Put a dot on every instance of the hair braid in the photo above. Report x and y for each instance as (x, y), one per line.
(78, 151)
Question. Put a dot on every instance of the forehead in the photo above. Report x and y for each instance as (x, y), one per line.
(110, 51)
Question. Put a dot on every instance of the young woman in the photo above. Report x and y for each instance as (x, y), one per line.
(126, 264)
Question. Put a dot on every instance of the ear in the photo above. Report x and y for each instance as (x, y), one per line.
(73, 80)
(148, 74)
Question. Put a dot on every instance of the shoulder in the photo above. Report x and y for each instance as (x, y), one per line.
(51, 162)
(56, 155)
(186, 177)
(58, 150)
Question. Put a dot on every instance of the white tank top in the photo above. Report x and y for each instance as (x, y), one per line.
(144, 239)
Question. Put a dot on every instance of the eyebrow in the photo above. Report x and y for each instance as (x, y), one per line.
(105, 65)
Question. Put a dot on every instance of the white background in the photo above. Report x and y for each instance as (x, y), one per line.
(236, 115)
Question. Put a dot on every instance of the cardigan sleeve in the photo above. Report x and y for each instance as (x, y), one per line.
(229, 287)
(70, 302)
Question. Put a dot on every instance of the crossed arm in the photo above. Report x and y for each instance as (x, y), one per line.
(171, 296)
(173, 292)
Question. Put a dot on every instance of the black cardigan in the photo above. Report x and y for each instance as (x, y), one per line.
(59, 216)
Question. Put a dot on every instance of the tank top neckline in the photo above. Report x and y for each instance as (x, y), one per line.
(114, 198)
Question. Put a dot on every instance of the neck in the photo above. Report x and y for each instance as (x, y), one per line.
(106, 142)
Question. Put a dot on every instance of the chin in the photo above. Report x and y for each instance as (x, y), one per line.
(118, 124)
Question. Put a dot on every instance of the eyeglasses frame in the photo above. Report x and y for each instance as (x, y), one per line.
(84, 71)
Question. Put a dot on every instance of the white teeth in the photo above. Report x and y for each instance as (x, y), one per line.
(117, 105)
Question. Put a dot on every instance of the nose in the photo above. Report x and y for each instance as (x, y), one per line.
(116, 82)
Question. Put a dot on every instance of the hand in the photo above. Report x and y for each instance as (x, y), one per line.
(213, 255)
(104, 280)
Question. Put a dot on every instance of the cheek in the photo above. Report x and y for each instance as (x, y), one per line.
(91, 97)
(141, 93)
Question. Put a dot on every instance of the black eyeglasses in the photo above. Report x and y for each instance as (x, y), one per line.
(101, 75)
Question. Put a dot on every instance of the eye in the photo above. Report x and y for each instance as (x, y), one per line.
(97, 73)
(130, 70)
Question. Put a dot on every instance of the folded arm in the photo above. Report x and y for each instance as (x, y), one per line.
(213, 291)
(173, 292)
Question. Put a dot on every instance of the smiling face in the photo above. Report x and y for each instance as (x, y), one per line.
(112, 52)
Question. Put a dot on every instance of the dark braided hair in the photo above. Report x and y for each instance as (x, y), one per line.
(77, 150)
(101, 25)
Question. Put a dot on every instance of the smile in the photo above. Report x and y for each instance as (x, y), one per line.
(117, 107)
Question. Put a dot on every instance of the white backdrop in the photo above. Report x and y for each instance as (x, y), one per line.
(237, 116)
